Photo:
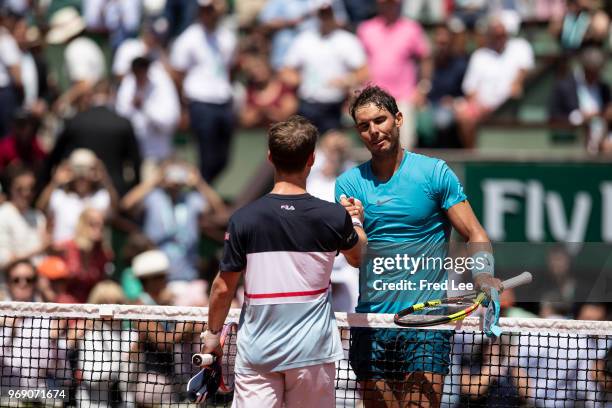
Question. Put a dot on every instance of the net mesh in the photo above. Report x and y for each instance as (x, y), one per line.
(125, 356)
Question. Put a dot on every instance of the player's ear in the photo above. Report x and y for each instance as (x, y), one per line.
(270, 157)
(311, 160)
(399, 119)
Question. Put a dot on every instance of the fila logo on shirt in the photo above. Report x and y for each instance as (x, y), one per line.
(287, 207)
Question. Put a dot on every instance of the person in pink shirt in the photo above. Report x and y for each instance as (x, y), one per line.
(399, 61)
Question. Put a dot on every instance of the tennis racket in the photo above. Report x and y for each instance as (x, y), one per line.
(215, 380)
(441, 311)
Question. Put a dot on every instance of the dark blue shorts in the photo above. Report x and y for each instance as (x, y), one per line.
(390, 354)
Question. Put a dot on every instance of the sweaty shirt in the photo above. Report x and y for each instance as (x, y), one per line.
(404, 215)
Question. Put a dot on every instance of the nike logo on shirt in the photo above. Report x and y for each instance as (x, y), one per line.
(381, 202)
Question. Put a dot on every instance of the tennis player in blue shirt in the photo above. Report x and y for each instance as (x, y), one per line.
(408, 201)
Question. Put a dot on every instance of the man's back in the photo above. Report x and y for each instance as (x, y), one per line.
(108, 135)
(287, 245)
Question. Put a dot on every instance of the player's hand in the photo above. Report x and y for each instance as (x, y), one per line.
(486, 281)
(211, 344)
(353, 206)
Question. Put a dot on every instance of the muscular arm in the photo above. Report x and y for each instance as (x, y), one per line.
(464, 220)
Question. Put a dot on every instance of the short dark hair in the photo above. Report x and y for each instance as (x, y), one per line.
(375, 95)
(11, 266)
(291, 143)
(141, 64)
(12, 173)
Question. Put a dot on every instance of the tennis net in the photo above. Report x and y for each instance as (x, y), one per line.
(126, 356)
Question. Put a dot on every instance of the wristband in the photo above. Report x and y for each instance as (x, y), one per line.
(483, 263)
(357, 222)
(211, 340)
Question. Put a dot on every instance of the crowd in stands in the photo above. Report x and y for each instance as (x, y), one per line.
(92, 95)
(94, 92)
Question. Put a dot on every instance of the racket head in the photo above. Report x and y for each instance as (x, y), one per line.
(439, 311)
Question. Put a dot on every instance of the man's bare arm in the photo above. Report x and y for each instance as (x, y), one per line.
(464, 220)
(223, 289)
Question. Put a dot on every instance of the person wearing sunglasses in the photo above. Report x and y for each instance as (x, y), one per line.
(21, 283)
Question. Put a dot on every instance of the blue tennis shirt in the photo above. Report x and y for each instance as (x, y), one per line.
(404, 216)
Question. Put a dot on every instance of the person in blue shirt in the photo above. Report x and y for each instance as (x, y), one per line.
(409, 203)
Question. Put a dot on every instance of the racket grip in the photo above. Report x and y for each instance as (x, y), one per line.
(522, 279)
(202, 360)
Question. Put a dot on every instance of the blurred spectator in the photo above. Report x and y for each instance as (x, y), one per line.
(332, 159)
(268, 99)
(560, 282)
(180, 14)
(79, 183)
(470, 12)
(507, 304)
(153, 354)
(546, 10)
(323, 88)
(136, 244)
(151, 268)
(360, 10)
(149, 99)
(151, 44)
(55, 271)
(581, 25)
(87, 255)
(494, 74)
(10, 75)
(103, 348)
(21, 283)
(109, 135)
(203, 56)
(601, 372)
(32, 68)
(45, 363)
(435, 10)
(583, 98)
(551, 307)
(118, 19)
(448, 72)
(23, 229)
(286, 19)
(174, 204)
(396, 65)
(83, 59)
(593, 311)
(486, 379)
(21, 146)
(247, 11)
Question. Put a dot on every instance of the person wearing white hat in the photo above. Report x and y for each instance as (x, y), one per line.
(83, 58)
(151, 267)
